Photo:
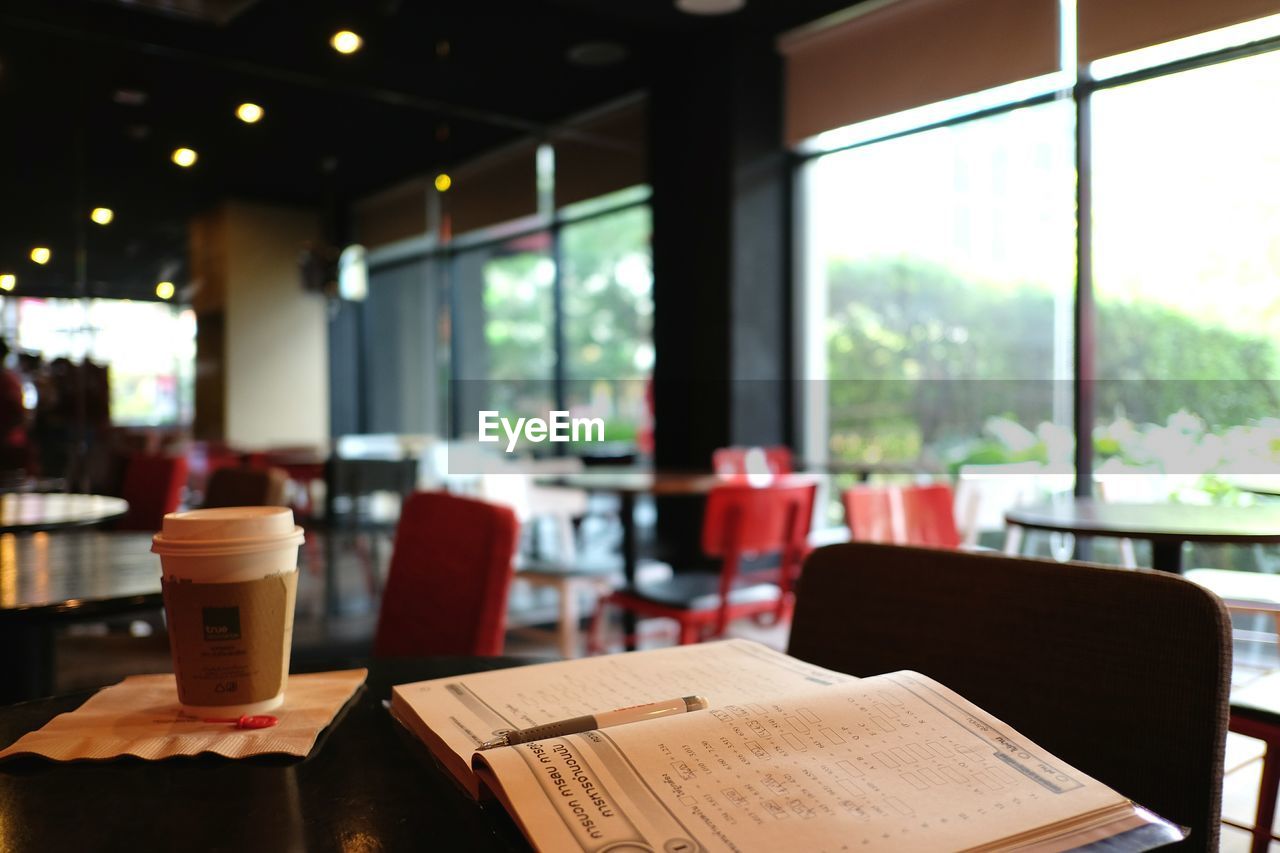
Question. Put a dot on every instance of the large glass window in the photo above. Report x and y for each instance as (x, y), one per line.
(1187, 276)
(504, 306)
(941, 268)
(607, 282)
(147, 348)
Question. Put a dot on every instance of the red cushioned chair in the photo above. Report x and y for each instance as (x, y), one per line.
(741, 521)
(446, 591)
(153, 487)
(734, 461)
(903, 515)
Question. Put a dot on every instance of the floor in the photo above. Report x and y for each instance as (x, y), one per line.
(93, 656)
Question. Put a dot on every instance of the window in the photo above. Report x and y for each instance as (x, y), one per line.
(607, 282)
(940, 280)
(1187, 272)
(147, 347)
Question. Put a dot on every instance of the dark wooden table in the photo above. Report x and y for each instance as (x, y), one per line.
(30, 512)
(366, 786)
(628, 483)
(1166, 526)
(48, 580)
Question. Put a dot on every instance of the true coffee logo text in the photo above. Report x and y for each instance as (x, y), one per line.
(221, 623)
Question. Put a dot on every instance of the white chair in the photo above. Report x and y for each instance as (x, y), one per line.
(984, 493)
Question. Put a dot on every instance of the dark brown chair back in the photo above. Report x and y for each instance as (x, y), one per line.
(246, 487)
(1124, 674)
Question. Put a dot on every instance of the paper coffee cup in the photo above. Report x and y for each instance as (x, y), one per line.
(230, 579)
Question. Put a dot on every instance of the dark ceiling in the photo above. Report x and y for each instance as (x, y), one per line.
(95, 94)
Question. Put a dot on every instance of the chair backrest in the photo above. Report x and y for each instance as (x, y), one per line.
(903, 515)
(451, 567)
(744, 461)
(153, 487)
(1124, 674)
(742, 519)
(246, 487)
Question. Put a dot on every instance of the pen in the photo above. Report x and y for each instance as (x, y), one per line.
(588, 722)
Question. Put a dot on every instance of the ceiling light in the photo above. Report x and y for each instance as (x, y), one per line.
(102, 215)
(596, 53)
(8, 281)
(41, 255)
(345, 41)
(443, 182)
(184, 157)
(129, 97)
(249, 113)
(710, 7)
(165, 290)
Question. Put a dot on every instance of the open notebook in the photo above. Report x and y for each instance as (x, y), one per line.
(789, 756)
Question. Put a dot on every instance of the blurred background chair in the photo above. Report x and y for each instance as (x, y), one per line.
(246, 487)
(1133, 693)
(451, 569)
(903, 515)
(745, 461)
(740, 521)
(153, 487)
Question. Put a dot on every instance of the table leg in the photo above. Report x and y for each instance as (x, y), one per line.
(630, 559)
(567, 630)
(1166, 555)
(29, 649)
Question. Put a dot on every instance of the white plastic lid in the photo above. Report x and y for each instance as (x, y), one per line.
(227, 529)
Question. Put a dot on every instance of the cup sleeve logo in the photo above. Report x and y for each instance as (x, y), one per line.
(221, 623)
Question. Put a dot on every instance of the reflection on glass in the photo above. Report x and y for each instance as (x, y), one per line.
(1187, 279)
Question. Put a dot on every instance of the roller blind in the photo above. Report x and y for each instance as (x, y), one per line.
(609, 155)
(1109, 27)
(908, 53)
(496, 189)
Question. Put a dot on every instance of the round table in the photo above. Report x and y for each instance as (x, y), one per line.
(1166, 526)
(30, 512)
(367, 785)
(49, 580)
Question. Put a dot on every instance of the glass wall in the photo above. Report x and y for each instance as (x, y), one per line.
(943, 276)
(559, 317)
(1187, 275)
(607, 281)
(943, 265)
(146, 348)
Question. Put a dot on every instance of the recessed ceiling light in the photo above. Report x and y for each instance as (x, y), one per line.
(709, 7)
(596, 53)
(129, 97)
(41, 255)
(345, 41)
(249, 113)
(102, 215)
(184, 157)
(8, 281)
(443, 182)
(165, 290)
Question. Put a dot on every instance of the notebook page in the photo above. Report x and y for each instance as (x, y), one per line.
(467, 710)
(894, 761)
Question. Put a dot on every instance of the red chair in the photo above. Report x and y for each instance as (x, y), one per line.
(740, 522)
(906, 515)
(451, 567)
(153, 487)
(741, 461)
